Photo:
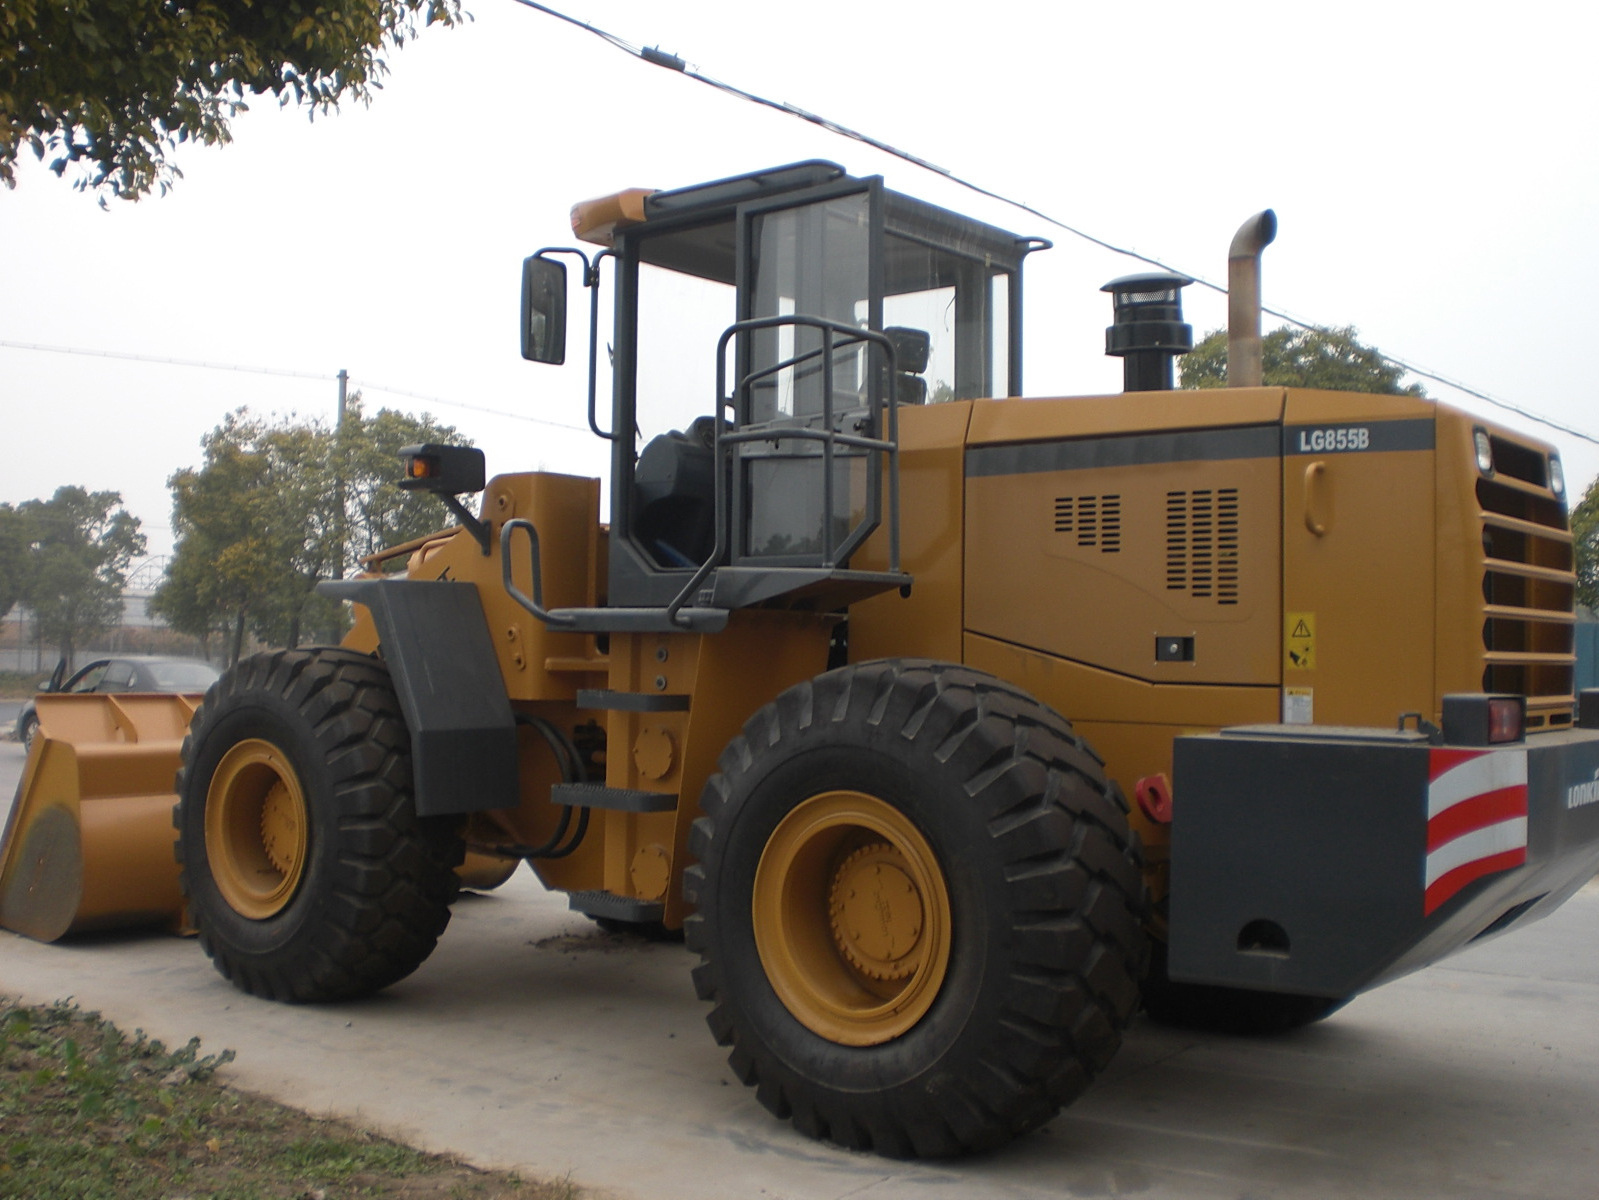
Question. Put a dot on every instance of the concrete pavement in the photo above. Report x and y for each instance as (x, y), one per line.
(531, 1041)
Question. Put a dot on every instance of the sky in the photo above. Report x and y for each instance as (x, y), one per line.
(1434, 168)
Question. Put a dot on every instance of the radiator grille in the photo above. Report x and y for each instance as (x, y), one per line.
(1529, 594)
(1202, 544)
(1095, 522)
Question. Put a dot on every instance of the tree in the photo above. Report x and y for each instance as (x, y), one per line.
(112, 87)
(380, 512)
(13, 557)
(1320, 358)
(232, 535)
(80, 545)
(1585, 533)
(261, 522)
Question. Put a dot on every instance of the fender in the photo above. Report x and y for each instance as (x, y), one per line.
(436, 643)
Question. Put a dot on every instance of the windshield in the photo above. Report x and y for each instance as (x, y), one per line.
(677, 347)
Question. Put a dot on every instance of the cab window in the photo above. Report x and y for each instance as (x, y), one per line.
(88, 680)
(118, 677)
(954, 292)
(812, 261)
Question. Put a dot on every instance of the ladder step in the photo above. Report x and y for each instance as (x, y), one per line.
(618, 908)
(597, 795)
(640, 702)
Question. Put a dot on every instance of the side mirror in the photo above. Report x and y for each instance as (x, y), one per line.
(57, 677)
(543, 310)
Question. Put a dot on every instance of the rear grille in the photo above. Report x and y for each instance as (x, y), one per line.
(1202, 544)
(1529, 594)
(1519, 462)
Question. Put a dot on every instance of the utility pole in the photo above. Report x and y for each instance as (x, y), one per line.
(341, 523)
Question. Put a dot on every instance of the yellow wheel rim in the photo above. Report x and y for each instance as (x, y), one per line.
(852, 918)
(256, 830)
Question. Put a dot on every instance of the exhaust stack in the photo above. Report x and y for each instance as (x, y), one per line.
(1245, 364)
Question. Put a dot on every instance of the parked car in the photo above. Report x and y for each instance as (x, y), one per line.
(122, 675)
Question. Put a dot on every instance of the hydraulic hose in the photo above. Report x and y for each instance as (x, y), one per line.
(570, 761)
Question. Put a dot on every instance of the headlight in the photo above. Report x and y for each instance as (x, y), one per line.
(1485, 451)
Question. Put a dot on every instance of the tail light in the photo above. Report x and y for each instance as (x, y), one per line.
(1480, 719)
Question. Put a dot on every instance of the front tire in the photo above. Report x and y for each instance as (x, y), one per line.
(308, 874)
(919, 909)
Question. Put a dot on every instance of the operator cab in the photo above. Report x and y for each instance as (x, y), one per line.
(767, 329)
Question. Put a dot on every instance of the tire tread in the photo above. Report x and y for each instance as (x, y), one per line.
(388, 898)
(1073, 877)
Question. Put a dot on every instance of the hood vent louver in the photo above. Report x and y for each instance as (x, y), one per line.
(1202, 544)
(1095, 521)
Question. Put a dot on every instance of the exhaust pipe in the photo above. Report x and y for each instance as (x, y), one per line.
(1245, 362)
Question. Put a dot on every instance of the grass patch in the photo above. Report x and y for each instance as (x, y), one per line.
(88, 1113)
(19, 685)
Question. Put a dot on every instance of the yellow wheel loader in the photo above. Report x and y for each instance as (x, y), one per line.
(948, 727)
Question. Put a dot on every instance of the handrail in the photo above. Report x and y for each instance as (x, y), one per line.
(534, 603)
(836, 335)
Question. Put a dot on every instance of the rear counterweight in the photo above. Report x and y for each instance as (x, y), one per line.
(1325, 861)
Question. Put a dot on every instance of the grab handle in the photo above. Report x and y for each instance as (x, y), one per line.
(534, 603)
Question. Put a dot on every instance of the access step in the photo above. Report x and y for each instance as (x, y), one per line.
(637, 702)
(597, 795)
(598, 903)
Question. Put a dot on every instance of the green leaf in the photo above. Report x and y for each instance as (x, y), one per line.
(119, 83)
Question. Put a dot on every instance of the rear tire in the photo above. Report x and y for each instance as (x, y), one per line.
(919, 909)
(308, 874)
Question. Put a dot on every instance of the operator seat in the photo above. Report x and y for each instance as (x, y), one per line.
(674, 496)
(674, 482)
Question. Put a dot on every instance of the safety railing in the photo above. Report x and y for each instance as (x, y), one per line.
(881, 408)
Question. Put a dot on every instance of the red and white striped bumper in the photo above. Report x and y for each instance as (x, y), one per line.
(1327, 861)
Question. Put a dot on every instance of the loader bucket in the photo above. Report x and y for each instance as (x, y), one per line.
(89, 841)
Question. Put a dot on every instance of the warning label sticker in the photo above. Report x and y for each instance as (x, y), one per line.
(1299, 641)
(1299, 706)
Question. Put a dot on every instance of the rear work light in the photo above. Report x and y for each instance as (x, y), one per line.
(1485, 451)
(1477, 719)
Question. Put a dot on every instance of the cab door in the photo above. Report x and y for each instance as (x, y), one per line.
(811, 269)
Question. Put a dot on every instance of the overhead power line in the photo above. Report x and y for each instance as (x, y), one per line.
(284, 372)
(82, 352)
(673, 62)
(366, 385)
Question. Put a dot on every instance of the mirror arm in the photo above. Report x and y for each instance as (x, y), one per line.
(591, 280)
(478, 530)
